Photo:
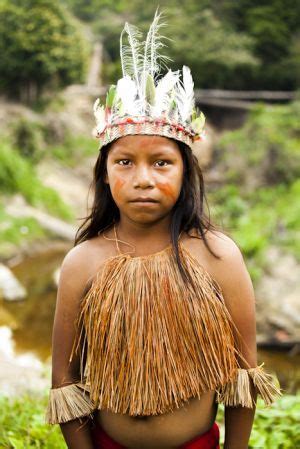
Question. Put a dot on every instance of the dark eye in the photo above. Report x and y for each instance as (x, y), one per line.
(123, 162)
(161, 163)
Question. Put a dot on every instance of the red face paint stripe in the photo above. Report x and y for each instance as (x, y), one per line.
(167, 190)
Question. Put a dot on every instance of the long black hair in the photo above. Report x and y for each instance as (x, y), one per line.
(187, 214)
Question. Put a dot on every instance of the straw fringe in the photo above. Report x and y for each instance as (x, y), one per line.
(265, 384)
(153, 342)
(68, 403)
(237, 392)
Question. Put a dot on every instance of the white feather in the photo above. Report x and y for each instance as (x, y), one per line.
(96, 106)
(99, 111)
(185, 94)
(188, 84)
(162, 94)
(153, 59)
(132, 54)
(127, 91)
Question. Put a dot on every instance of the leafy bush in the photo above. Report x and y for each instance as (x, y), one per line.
(265, 151)
(277, 427)
(41, 45)
(258, 202)
(258, 219)
(28, 139)
(274, 427)
(22, 424)
(74, 149)
(18, 175)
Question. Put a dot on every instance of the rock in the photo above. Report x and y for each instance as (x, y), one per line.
(278, 293)
(72, 184)
(17, 207)
(10, 287)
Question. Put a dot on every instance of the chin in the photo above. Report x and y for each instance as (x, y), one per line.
(144, 217)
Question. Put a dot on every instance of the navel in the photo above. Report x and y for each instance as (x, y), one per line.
(140, 417)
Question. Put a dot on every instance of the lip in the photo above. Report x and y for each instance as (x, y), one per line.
(144, 200)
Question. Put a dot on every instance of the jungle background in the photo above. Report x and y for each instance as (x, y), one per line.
(57, 57)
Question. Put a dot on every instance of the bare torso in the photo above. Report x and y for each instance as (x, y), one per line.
(169, 430)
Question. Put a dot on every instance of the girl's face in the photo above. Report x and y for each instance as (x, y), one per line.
(145, 176)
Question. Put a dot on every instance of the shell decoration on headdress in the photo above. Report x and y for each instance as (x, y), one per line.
(143, 101)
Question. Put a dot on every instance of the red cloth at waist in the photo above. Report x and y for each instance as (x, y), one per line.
(208, 440)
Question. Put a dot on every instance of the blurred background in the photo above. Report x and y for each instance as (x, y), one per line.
(57, 57)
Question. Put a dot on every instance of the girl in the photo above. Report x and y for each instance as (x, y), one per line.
(155, 316)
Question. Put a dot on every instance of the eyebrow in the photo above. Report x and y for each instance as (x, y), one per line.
(155, 153)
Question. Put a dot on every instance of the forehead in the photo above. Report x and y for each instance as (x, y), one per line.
(144, 144)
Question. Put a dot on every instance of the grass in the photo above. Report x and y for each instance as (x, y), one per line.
(22, 424)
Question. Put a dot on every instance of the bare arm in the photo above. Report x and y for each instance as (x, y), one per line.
(71, 287)
(239, 298)
(77, 435)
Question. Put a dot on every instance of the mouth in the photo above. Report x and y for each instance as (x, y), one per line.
(143, 200)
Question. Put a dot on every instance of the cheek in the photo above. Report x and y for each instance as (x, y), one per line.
(117, 186)
(168, 190)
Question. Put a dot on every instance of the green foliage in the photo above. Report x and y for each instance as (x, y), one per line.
(40, 45)
(273, 26)
(74, 149)
(16, 231)
(28, 139)
(92, 9)
(22, 424)
(265, 148)
(18, 175)
(221, 49)
(238, 45)
(259, 203)
(274, 427)
(277, 427)
(219, 52)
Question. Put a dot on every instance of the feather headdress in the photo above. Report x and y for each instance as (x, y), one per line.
(143, 101)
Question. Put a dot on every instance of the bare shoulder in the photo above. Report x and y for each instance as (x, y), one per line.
(229, 269)
(84, 260)
(219, 243)
(232, 275)
(225, 247)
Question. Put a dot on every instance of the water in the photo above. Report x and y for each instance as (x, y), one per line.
(26, 326)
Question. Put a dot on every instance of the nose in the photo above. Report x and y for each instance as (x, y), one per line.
(142, 177)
